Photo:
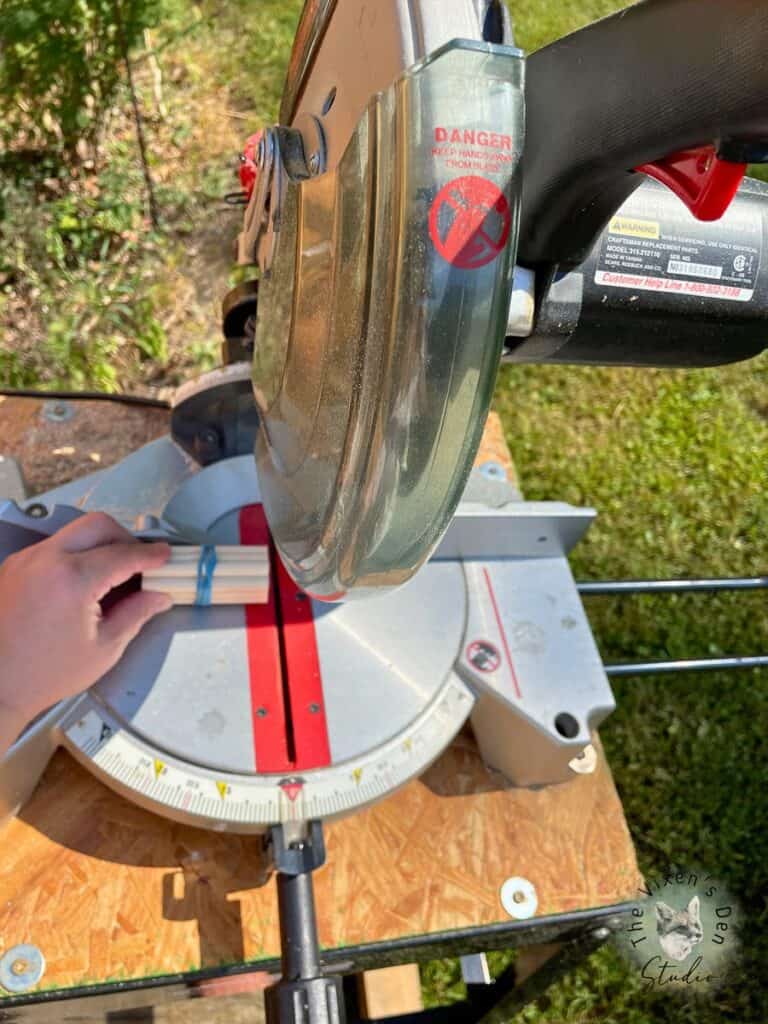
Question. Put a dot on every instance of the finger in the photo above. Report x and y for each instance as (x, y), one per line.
(126, 619)
(103, 568)
(91, 531)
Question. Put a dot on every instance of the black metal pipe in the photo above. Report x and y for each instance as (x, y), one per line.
(648, 668)
(593, 588)
(298, 926)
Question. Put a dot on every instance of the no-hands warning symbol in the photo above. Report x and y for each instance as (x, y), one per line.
(469, 222)
(483, 655)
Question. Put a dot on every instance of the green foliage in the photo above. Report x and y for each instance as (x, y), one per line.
(256, 72)
(76, 272)
(60, 66)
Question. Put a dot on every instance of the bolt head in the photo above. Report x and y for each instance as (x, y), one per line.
(493, 470)
(57, 410)
(209, 437)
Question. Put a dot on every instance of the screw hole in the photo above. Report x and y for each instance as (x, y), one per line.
(329, 100)
(567, 725)
(542, 540)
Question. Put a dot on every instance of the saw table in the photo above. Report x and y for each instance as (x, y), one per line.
(118, 899)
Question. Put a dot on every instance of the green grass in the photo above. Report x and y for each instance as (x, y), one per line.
(674, 462)
(538, 22)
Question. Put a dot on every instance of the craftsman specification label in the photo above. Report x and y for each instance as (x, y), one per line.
(470, 221)
(655, 245)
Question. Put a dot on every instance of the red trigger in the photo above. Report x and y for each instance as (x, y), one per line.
(249, 167)
(704, 182)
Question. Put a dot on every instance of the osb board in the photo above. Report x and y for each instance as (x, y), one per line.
(97, 435)
(109, 891)
(493, 447)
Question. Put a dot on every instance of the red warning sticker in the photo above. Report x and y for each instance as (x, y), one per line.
(483, 655)
(470, 221)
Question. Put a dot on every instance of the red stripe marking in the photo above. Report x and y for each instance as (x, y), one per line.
(270, 737)
(302, 663)
(504, 641)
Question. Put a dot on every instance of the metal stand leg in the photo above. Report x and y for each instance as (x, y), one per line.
(498, 1002)
(511, 997)
(303, 995)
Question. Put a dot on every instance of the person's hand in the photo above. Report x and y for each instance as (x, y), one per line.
(55, 641)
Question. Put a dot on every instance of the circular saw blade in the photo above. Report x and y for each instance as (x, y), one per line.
(385, 286)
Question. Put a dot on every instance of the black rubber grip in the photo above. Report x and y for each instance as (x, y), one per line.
(658, 77)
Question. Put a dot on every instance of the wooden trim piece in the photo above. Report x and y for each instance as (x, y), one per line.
(240, 575)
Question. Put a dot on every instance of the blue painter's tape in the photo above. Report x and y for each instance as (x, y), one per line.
(206, 567)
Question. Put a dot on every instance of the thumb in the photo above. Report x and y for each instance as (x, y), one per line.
(124, 621)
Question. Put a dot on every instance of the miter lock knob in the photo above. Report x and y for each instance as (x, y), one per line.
(318, 1001)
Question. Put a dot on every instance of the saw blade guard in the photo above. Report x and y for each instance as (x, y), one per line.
(381, 320)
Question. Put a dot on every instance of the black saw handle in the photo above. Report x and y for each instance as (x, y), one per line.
(651, 80)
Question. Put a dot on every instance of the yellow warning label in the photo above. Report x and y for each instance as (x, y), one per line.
(159, 768)
(222, 788)
(634, 226)
(357, 774)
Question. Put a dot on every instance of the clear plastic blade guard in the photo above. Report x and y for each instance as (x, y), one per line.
(381, 319)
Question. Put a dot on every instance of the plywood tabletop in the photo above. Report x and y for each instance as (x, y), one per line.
(109, 891)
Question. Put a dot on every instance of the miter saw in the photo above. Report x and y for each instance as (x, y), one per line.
(426, 206)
